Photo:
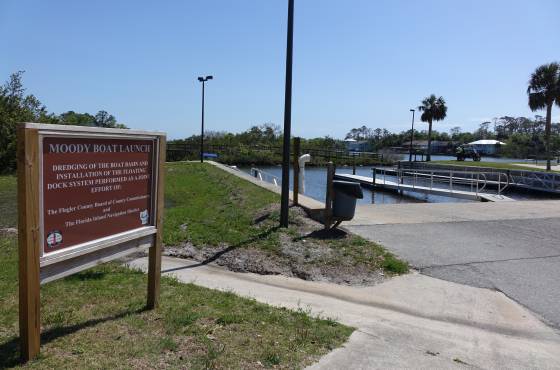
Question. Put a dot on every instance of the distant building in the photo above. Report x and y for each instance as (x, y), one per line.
(357, 146)
(488, 147)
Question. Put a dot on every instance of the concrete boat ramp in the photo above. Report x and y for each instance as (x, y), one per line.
(383, 183)
(511, 247)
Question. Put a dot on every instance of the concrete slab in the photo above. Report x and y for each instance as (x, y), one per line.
(409, 321)
(510, 247)
(539, 166)
(419, 213)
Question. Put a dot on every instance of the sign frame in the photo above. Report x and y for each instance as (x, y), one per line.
(35, 267)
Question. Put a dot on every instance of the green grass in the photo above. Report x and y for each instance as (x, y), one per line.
(207, 206)
(8, 201)
(96, 319)
(496, 165)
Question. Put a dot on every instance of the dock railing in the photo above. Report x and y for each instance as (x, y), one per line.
(538, 180)
(476, 181)
(265, 176)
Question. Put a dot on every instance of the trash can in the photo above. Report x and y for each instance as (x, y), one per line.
(344, 201)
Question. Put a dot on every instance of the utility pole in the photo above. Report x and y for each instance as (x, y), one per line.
(203, 80)
(285, 197)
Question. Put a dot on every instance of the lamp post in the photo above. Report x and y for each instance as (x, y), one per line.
(411, 137)
(203, 80)
(284, 199)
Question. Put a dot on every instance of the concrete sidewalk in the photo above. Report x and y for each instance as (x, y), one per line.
(541, 167)
(409, 321)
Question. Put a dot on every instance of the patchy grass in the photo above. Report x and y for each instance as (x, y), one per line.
(209, 208)
(8, 201)
(96, 319)
(496, 165)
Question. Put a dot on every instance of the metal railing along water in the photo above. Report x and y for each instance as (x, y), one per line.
(453, 181)
(265, 176)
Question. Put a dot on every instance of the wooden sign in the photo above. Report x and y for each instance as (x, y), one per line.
(85, 196)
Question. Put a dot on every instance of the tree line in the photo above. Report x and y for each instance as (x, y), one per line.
(243, 148)
(523, 136)
(16, 106)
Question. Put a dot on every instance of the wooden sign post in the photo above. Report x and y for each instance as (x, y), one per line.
(85, 196)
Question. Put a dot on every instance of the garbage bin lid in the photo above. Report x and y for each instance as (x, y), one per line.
(349, 188)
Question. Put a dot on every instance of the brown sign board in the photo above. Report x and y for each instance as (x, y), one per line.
(85, 196)
(94, 187)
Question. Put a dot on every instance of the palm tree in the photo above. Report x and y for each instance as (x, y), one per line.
(544, 91)
(433, 109)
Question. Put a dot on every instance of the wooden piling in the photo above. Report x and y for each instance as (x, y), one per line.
(297, 154)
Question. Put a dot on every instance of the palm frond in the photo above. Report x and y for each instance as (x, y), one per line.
(544, 86)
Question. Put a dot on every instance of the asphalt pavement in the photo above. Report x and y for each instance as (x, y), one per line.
(513, 248)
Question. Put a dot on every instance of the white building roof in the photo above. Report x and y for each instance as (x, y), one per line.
(486, 142)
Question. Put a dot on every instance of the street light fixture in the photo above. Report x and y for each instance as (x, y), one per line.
(411, 137)
(203, 80)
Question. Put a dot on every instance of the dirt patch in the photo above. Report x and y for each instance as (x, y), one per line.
(304, 250)
(8, 231)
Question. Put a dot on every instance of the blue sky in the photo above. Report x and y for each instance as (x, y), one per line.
(356, 62)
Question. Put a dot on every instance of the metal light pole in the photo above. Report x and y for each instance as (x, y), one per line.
(203, 80)
(411, 137)
(284, 201)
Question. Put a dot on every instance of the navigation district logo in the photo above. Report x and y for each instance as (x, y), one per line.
(144, 217)
(54, 238)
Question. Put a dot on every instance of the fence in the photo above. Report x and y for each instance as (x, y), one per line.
(247, 154)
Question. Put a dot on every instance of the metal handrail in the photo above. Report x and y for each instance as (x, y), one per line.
(446, 176)
(262, 175)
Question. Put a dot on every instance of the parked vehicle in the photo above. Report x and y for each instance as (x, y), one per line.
(463, 152)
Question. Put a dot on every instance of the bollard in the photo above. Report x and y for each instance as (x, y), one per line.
(329, 195)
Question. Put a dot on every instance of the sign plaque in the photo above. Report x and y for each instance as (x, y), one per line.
(85, 196)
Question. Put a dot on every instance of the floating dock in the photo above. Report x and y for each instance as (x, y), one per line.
(383, 183)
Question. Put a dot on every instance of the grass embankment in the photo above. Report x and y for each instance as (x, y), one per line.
(495, 165)
(96, 319)
(208, 208)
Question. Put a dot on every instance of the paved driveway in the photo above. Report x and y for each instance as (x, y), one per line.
(513, 247)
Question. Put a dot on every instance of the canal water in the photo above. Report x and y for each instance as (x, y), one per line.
(316, 178)
(316, 182)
